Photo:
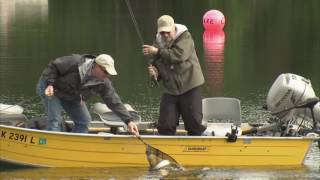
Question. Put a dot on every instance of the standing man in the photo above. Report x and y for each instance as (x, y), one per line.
(69, 81)
(175, 62)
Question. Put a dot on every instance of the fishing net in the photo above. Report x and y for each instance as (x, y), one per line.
(158, 159)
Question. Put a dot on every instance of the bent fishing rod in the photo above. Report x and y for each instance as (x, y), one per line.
(154, 81)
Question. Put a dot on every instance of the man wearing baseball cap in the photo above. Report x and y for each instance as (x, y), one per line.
(69, 81)
(175, 62)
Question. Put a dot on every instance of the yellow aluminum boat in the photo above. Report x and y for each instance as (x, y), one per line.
(58, 149)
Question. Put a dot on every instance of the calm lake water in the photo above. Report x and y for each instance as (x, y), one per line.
(261, 40)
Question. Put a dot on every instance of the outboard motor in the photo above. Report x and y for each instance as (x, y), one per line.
(291, 98)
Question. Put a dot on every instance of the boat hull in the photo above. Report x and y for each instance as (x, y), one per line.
(58, 149)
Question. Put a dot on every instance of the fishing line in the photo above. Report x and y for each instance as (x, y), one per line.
(134, 22)
(154, 81)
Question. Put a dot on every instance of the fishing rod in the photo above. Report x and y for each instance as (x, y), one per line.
(154, 81)
(134, 22)
(150, 149)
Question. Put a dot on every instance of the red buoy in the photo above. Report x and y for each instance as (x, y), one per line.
(213, 19)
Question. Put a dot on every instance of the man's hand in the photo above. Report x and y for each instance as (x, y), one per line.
(49, 91)
(132, 128)
(149, 50)
(153, 71)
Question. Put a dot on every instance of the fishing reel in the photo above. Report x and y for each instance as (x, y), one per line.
(232, 136)
(153, 82)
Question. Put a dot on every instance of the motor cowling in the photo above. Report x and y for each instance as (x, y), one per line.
(289, 91)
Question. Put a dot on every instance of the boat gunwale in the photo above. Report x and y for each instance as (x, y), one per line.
(156, 136)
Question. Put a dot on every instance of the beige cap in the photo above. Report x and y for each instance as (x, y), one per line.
(107, 63)
(165, 24)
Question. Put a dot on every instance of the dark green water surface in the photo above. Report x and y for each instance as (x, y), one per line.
(261, 40)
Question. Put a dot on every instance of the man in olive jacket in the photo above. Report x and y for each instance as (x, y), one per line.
(175, 62)
(69, 81)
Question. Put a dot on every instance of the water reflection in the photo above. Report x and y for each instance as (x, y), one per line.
(21, 41)
(309, 171)
(29, 39)
(12, 11)
(7, 10)
(213, 44)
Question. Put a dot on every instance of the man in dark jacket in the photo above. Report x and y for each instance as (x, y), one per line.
(69, 81)
(175, 62)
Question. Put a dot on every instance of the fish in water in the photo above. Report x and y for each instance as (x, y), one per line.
(155, 161)
(159, 160)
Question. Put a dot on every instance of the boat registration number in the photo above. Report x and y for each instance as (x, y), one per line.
(19, 137)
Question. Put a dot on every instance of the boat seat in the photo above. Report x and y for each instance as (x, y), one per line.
(111, 119)
(221, 110)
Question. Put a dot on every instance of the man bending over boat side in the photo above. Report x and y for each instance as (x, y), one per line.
(69, 81)
(175, 62)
